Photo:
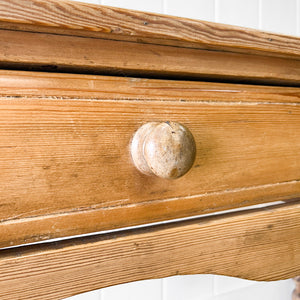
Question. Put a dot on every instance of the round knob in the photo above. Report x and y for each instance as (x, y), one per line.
(165, 149)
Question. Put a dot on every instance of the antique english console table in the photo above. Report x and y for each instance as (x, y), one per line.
(111, 118)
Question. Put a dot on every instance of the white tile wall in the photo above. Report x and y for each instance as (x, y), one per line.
(195, 9)
(280, 290)
(237, 12)
(225, 284)
(150, 6)
(93, 295)
(145, 290)
(282, 16)
(298, 17)
(188, 287)
(279, 16)
(89, 1)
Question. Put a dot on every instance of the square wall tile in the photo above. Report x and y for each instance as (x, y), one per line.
(188, 287)
(150, 6)
(276, 290)
(279, 16)
(93, 295)
(146, 290)
(225, 284)
(195, 9)
(89, 1)
(298, 17)
(238, 12)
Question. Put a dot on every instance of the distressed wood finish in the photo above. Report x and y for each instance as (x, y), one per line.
(28, 50)
(122, 42)
(65, 160)
(227, 245)
(71, 18)
(66, 166)
(39, 84)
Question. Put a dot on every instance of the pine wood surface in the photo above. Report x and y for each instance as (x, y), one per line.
(106, 40)
(64, 148)
(73, 18)
(93, 87)
(260, 245)
(66, 167)
(40, 51)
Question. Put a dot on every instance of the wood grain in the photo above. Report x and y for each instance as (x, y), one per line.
(72, 18)
(66, 167)
(261, 245)
(40, 51)
(80, 86)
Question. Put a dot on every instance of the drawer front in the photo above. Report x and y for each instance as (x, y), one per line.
(65, 160)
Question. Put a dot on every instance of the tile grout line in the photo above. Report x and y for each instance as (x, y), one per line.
(162, 289)
(298, 17)
(260, 14)
(164, 6)
(216, 11)
(214, 280)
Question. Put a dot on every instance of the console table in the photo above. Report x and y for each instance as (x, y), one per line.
(112, 121)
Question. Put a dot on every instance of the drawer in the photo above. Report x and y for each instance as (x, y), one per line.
(65, 161)
(79, 83)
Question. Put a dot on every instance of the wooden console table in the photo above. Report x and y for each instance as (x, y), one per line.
(77, 81)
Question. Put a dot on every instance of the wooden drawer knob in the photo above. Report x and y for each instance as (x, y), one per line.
(165, 149)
